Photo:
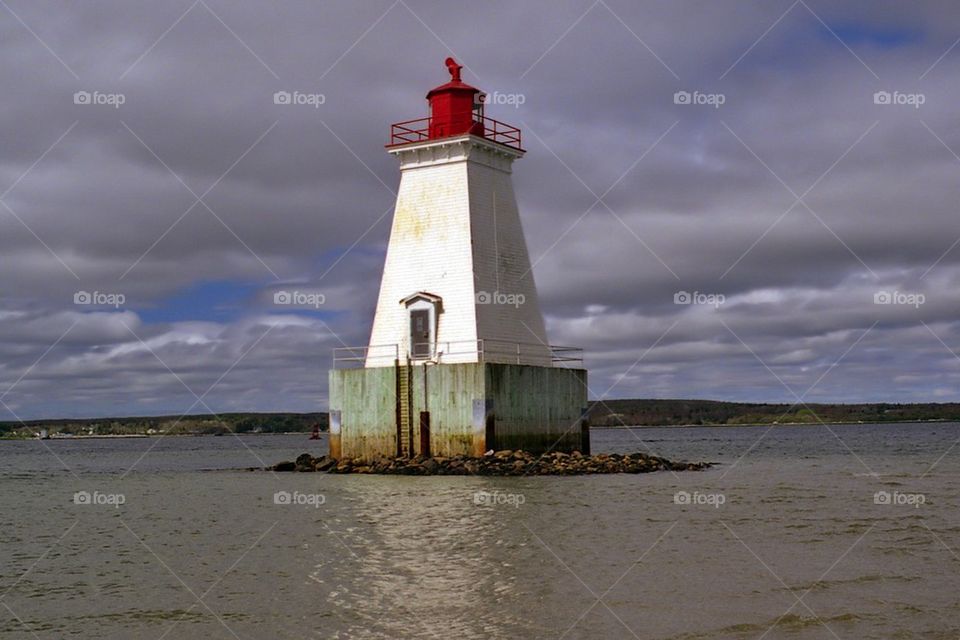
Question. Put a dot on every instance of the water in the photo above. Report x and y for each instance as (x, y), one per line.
(785, 542)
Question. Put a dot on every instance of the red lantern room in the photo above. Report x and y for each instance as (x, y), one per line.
(455, 107)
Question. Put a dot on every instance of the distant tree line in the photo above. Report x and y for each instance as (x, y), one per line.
(609, 413)
(615, 413)
(179, 425)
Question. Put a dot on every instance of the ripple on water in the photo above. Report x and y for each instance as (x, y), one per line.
(417, 557)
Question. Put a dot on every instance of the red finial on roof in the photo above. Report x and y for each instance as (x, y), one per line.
(453, 68)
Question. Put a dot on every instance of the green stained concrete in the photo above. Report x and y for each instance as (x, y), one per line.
(533, 408)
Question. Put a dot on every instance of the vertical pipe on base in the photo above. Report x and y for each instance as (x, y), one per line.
(584, 433)
(425, 433)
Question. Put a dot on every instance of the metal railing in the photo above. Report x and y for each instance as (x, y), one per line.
(347, 357)
(482, 350)
(419, 131)
(566, 354)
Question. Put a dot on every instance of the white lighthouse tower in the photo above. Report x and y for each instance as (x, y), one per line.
(457, 284)
(458, 359)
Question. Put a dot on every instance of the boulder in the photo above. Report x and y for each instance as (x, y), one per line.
(305, 460)
(325, 463)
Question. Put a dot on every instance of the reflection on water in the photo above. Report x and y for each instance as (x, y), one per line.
(430, 557)
(800, 546)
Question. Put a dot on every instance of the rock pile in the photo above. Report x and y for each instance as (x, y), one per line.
(499, 463)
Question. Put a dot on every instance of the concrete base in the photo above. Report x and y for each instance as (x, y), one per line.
(456, 409)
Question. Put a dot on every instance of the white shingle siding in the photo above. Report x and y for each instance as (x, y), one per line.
(456, 231)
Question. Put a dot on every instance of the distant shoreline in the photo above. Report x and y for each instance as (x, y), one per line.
(777, 424)
(616, 413)
(188, 425)
(602, 414)
(305, 434)
(115, 436)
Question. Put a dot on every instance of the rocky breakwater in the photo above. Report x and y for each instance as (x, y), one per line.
(499, 463)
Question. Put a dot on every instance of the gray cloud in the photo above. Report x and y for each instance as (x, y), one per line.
(704, 209)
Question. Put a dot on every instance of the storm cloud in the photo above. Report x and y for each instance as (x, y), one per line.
(727, 200)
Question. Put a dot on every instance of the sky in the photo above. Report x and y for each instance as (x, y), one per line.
(736, 200)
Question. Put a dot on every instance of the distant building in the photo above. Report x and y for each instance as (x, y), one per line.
(458, 360)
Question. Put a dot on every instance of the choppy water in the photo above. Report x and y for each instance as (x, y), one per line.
(799, 548)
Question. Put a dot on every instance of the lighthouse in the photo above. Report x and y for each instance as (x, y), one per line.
(458, 361)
